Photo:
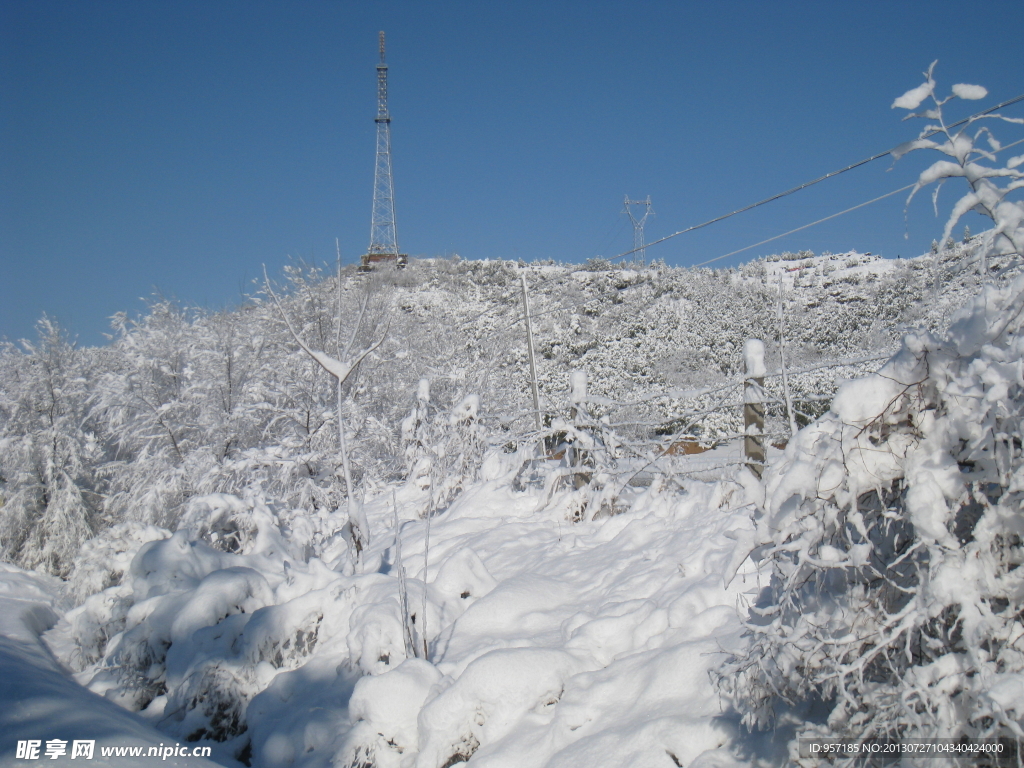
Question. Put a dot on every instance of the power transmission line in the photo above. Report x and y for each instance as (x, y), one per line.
(818, 180)
(764, 202)
(834, 215)
(745, 248)
(805, 226)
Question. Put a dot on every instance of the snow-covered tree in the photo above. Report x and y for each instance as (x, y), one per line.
(147, 400)
(48, 453)
(371, 316)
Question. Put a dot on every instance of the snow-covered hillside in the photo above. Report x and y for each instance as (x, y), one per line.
(185, 403)
(216, 427)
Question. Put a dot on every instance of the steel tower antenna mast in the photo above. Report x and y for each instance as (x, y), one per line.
(639, 251)
(383, 237)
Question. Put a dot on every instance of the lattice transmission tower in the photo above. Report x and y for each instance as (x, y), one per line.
(639, 252)
(383, 236)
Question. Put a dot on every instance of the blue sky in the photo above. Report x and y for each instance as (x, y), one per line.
(178, 146)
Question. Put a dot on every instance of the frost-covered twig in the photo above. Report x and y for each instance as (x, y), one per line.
(985, 196)
(340, 370)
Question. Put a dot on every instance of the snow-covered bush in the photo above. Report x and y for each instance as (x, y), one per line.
(104, 560)
(385, 709)
(585, 481)
(489, 698)
(892, 528)
(205, 620)
(189, 629)
(893, 525)
(598, 264)
(415, 428)
(443, 451)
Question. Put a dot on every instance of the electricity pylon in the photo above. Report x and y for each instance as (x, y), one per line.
(639, 252)
(383, 236)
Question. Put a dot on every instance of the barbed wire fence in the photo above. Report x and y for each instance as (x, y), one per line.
(704, 433)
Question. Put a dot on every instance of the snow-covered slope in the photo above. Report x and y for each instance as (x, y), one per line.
(186, 403)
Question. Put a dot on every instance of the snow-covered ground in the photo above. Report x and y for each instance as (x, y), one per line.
(550, 643)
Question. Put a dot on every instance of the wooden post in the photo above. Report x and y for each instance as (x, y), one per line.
(577, 457)
(530, 353)
(753, 405)
(782, 360)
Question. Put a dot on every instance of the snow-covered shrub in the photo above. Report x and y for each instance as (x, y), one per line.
(415, 430)
(191, 629)
(597, 264)
(461, 580)
(104, 560)
(457, 442)
(487, 700)
(588, 450)
(443, 722)
(893, 529)
(385, 709)
(377, 641)
(89, 627)
(893, 525)
(224, 521)
(195, 632)
(156, 652)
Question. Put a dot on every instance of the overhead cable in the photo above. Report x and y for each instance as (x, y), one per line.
(834, 215)
(764, 202)
(818, 180)
(805, 226)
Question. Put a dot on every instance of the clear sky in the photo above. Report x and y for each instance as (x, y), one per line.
(177, 146)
